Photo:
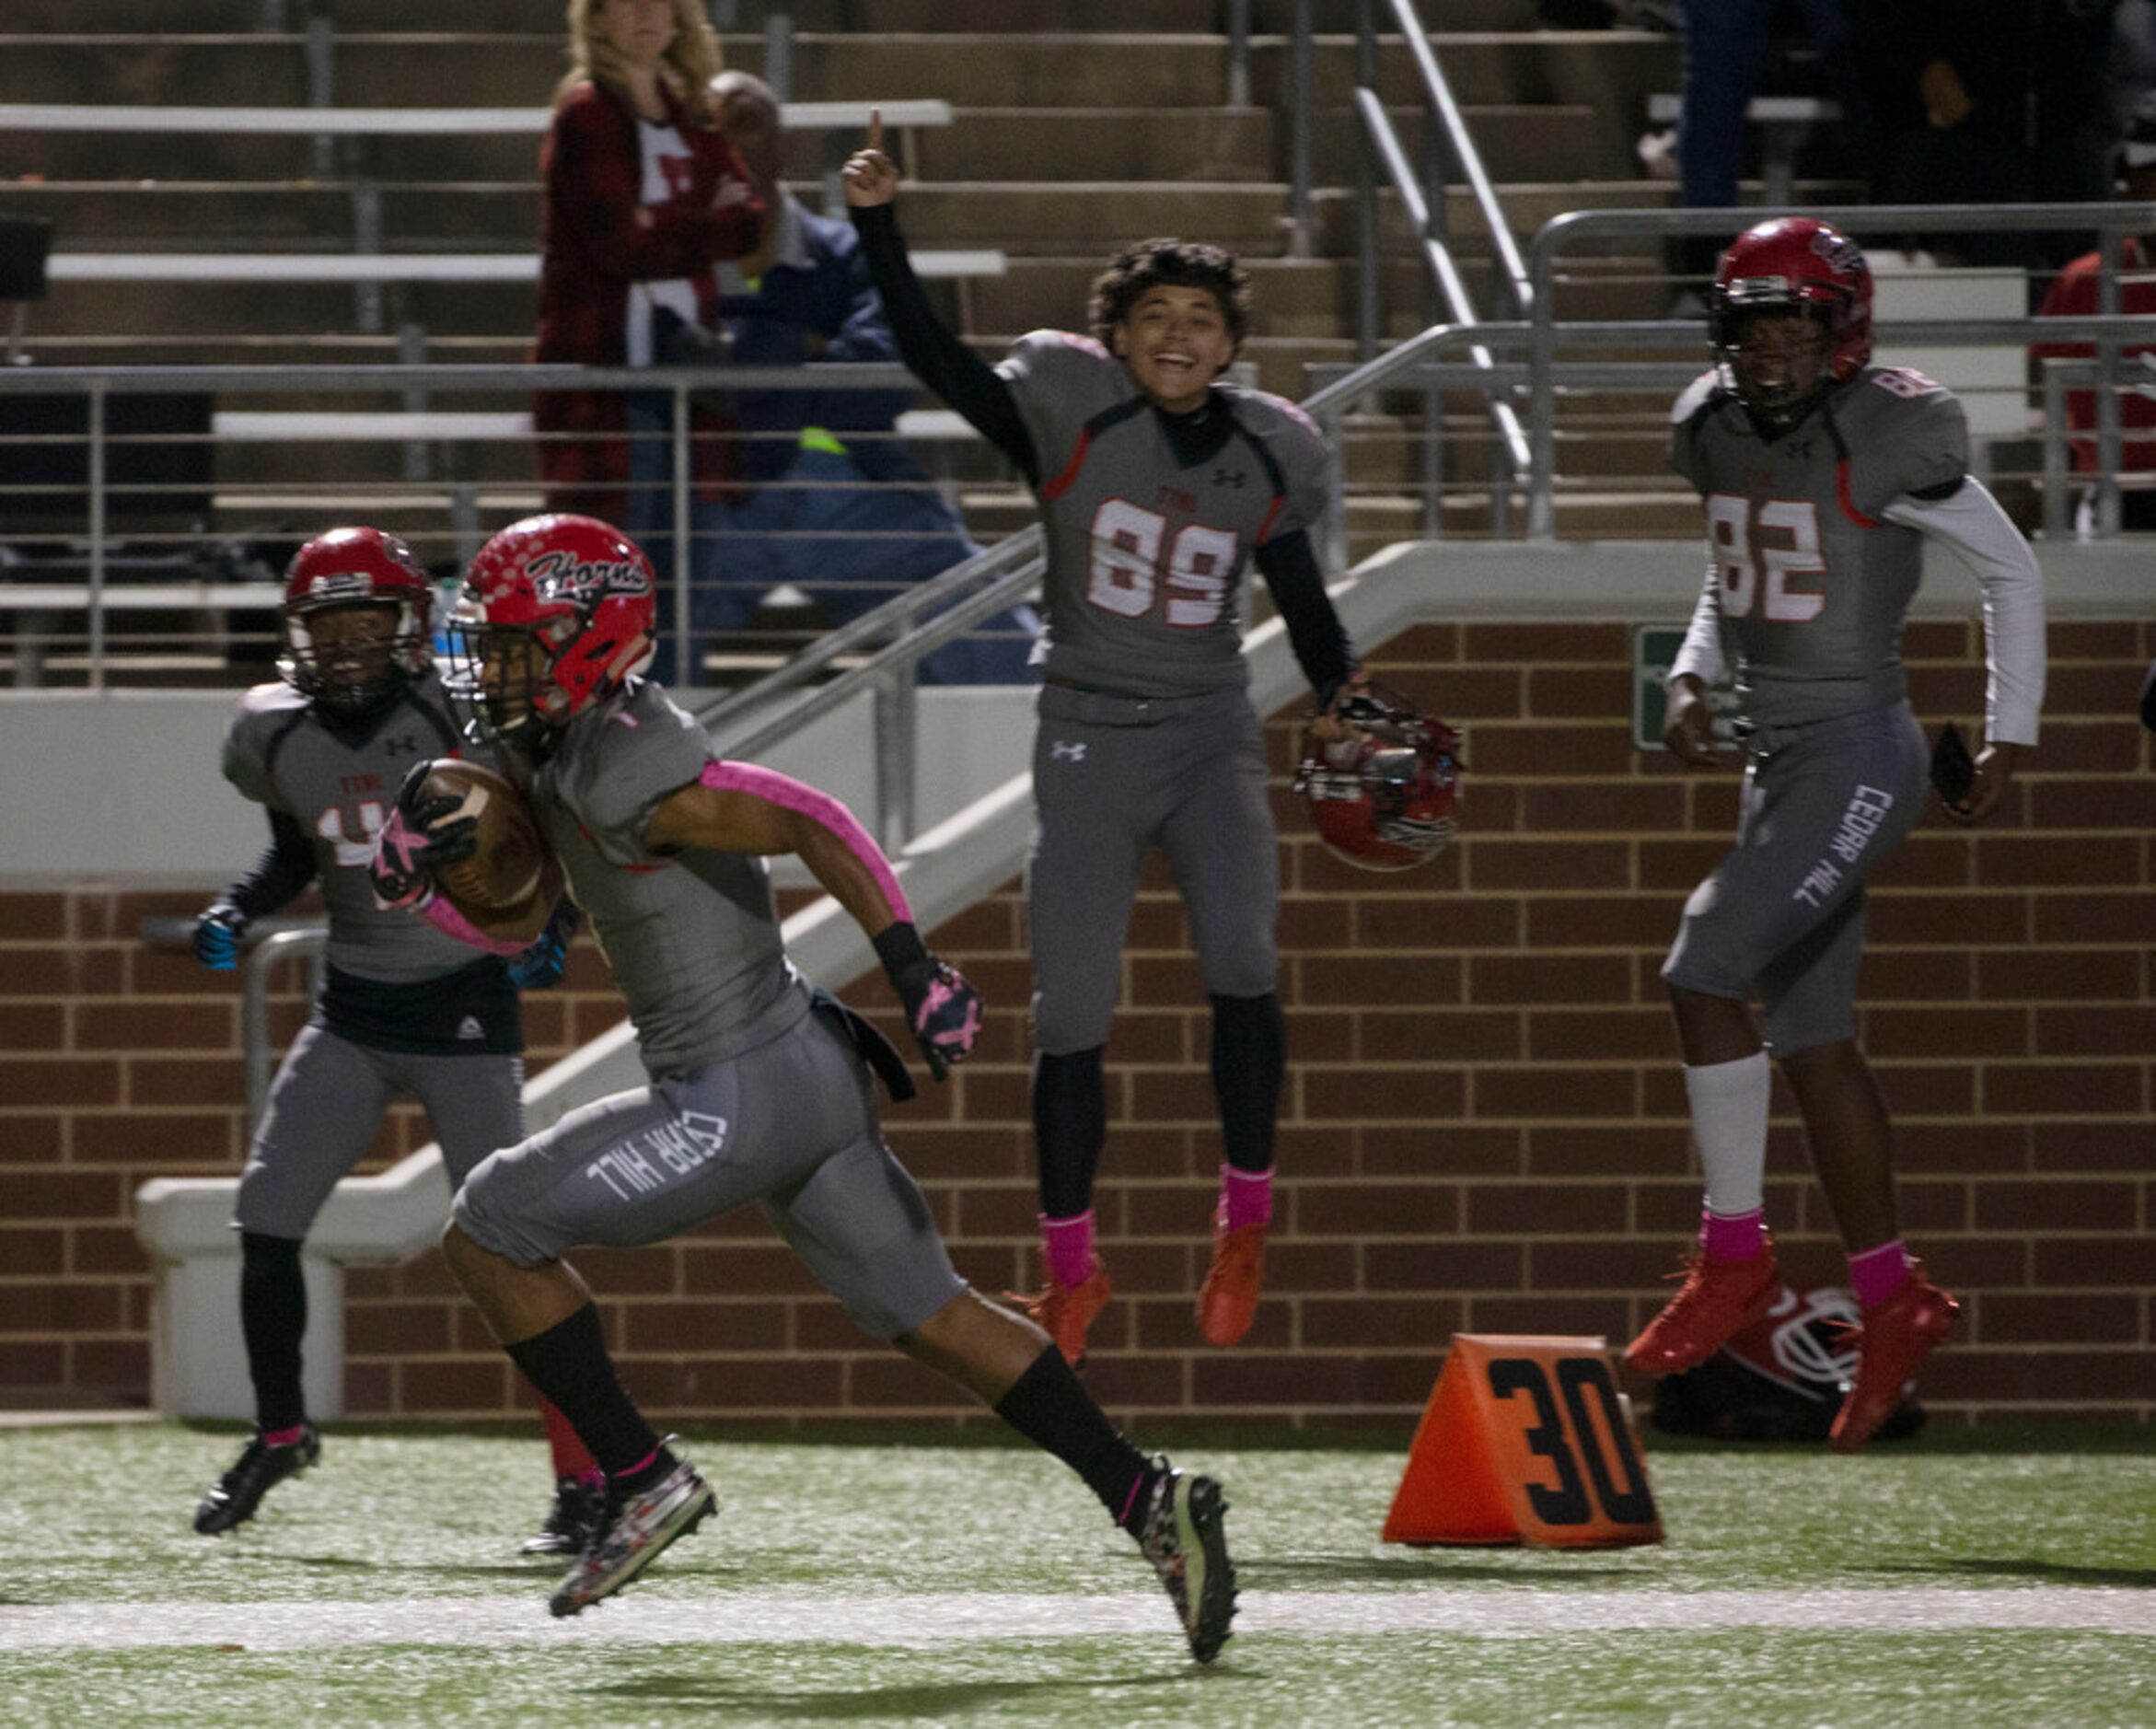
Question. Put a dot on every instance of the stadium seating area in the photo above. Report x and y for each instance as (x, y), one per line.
(1094, 124)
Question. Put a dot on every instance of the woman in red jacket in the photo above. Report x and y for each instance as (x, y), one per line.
(643, 196)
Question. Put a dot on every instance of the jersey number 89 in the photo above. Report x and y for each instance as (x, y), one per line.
(1739, 557)
(1128, 571)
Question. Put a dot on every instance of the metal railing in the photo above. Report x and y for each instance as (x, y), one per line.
(2111, 222)
(1422, 199)
(447, 517)
(267, 946)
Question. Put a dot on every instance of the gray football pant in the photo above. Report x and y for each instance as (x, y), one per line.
(1111, 777)
(331, 1095)
(1782, 917)
(791, 1124)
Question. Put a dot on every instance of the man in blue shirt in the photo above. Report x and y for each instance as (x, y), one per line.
(821, 464)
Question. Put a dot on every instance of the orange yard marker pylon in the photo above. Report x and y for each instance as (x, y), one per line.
(1525, 1439)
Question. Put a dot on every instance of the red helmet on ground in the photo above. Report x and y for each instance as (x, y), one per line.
(1802, 266)
(360, 670)
(557, 613)
(1384, 797)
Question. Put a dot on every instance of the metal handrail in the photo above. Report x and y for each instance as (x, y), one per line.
(1424, 206)
(2111, 220)
(270, 941)
(1437, 91)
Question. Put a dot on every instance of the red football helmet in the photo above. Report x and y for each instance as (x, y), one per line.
(1383, 797)
(557, 613)
(1794, 265)
(354, 667)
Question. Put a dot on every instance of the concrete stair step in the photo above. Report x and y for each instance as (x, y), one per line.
(1608, 72)
(1115, 144)
(1269, 17)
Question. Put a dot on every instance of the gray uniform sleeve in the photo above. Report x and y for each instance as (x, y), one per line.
(644, 750)
(1061, 381)
(1918, 441)
(1299, 448)
(1685, 455)
(262, 711)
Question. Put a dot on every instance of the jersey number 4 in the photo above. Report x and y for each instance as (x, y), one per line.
(1128, 572)
(1784, 544)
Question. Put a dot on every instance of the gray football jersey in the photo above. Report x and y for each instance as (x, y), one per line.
(1145, 556)
(693, 938)
(1810, 581)
(339, 787)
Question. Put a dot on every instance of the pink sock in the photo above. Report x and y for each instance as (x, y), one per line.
(1739, 1236)
(1878, 1273)
(1067, 1245)
(1245, 1197)
(283, 1437)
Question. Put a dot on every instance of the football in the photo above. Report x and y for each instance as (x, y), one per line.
(512, 853)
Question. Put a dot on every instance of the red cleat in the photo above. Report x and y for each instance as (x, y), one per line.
(1229, 1300)
(1717, 1300)
(1896, 1337)
(1064, 1312)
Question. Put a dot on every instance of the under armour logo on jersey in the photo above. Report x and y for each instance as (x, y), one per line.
(1228, 477)
(469, 1028)
(405, 747)
(1061, 753)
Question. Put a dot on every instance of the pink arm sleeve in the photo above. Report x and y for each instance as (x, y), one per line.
(820, 807)
(443, 915)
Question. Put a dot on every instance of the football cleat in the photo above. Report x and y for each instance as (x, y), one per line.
(233, 1498)
(579, 1508)
(1184, 1540)
(1895, 1336)
(631, 1535)
(1717, 1300)
(1229, 1299)
(1064, 1312)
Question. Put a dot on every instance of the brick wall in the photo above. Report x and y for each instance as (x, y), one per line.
(1483, 1130)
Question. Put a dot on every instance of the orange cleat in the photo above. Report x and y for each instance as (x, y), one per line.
(1896, 1337)
(1717, 1300)
(1229, 1300)
(1064, 1312)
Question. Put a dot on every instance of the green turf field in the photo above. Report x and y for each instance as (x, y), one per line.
(1985, 1580)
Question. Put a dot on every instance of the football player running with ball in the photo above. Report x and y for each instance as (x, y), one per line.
(403, 1009)
(761, 1089)
(1158, 488)
(1823, 476)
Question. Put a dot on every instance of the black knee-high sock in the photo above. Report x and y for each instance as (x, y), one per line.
(1050, 1408)
(1250, 1058)
(1070, 1125)
(569, 1364)
(273, 1321)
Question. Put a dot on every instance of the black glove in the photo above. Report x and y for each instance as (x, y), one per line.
(541, 967)
(942, 1010)
(411, 848)
(217, 931)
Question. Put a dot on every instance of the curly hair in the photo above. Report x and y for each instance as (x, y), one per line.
(1175, 264)
(691, 63)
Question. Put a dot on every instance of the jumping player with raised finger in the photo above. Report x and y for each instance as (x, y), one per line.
(1159, 487)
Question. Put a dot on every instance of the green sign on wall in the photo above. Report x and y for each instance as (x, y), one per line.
(1655, 646)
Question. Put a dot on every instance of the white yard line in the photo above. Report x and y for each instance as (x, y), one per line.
(795, 1616)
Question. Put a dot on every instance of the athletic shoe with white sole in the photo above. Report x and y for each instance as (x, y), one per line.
(636, 1529)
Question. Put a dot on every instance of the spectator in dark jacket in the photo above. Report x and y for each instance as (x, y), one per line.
(837, 505)
(643, 196)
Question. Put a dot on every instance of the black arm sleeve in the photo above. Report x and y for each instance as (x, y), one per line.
(938, 358)
(284, 869)
(1290, 570)
(2148, 699)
